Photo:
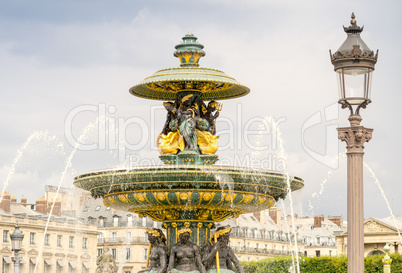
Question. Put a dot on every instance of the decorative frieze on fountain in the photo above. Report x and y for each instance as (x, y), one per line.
(189, 191)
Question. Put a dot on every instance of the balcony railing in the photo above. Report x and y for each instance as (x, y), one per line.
(263, 251)
(242, 236)
(122, 240)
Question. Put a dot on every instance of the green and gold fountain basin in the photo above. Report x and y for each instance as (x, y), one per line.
(213, 84)
(195, 196)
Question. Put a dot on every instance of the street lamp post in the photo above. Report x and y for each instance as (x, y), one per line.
(354, 65)
(16, 242)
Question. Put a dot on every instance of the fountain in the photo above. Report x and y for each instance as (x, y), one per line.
(189, 190)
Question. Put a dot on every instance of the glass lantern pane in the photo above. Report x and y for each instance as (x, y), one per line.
(356, 84)
(341, 89)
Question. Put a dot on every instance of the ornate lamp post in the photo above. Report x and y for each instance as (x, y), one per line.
(16, 242)
(354, 65)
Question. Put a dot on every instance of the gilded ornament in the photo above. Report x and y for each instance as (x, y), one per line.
(183, 196)
(161, 196)
(207, 196)
(186, 224)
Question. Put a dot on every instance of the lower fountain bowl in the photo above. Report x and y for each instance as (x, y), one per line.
(167, 193)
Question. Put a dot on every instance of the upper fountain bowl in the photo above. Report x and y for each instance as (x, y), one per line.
(212, 84)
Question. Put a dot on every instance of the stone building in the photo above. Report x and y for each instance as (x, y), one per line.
(122, 232)
(377, 232)
(55, 244)
(257, 236)
(317, 235)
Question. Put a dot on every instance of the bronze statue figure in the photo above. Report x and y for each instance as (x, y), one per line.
(187, 115)
(171, 115)
(105, 263)
(218, 254)
(185, 256)
(210, 116)
(157, 259)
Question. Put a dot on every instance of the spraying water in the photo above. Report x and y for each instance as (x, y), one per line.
(86, 132)
(385, 198)
(339, 156)
(289, 190)
(37, 135)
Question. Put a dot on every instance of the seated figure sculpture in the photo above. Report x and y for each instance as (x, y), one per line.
(185, 256)
(157, 258)
(105, 263)
(189, 125)
(188, 116)
(217, 247)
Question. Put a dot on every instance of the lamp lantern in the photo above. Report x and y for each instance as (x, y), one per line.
(16, 239)
(354, 64)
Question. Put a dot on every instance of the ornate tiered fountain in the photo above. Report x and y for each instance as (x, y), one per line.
(189, 190)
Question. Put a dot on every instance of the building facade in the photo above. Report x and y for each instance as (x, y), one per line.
(55, 244)
(377, 233)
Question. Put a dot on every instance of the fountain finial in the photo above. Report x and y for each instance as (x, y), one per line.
(353, 28)
(189, 51)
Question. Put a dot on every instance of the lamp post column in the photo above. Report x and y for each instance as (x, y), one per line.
(16, 260)
(355, 136)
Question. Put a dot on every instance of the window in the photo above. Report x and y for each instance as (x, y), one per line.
(97, 208)
(114, 254)
(71, 242)
(116, 221)
(70, 268)
(47, 237)
(84, 243)
(32, 238)
(101, 222)
(46, 268)
(144, 254)
(330, 253)
(100, 251)
(107, 208)
(114, 236)
(100, 238)
(128, 254)
(58, 240)
(4, 268)
(317, 253)
(58, 268)
(130, 220)
(128, 236)
(5, 236)
(31, 267)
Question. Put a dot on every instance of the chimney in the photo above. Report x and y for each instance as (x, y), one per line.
(5, 203)
(13, 199)
(56, 208)
(257, 215)
(275, 214)
(23, 201)
(317, 221)
(41, 205)
(337, 220)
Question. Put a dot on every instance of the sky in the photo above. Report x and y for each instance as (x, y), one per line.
(65, 63)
